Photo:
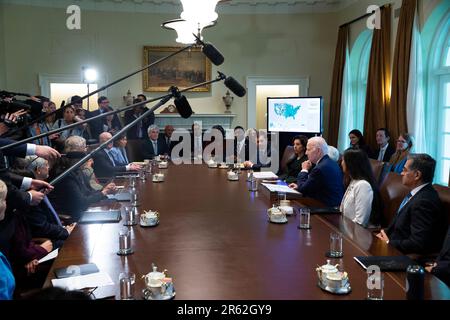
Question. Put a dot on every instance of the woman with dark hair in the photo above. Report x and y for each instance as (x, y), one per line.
(294, 165)
(403, 149)
(357, 141)
(361, 201)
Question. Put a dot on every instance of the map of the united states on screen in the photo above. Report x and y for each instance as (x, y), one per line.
(286, 110)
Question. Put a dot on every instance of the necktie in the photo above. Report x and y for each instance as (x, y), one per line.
(405, 201)
(381, 155)
(110, 158)
(52, 210)
(155, 148)
(124, 154)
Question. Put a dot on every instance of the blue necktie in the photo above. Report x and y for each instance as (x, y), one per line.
(110, 158)
(52, 210)
(405, 200)
(155, 147)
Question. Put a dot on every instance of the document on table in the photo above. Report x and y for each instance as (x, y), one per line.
(52, 255)
(265, 175)
(279, 188)
(98, 279)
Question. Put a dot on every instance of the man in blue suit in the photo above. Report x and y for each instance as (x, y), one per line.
(324, 182)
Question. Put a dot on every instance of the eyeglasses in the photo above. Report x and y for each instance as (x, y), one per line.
(401, 141)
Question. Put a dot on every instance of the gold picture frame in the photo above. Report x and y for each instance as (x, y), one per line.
(183, 70)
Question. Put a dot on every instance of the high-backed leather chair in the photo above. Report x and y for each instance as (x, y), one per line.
(392, 193)
(288, 154)
(134, 149)
(444, 195)
(377, 168)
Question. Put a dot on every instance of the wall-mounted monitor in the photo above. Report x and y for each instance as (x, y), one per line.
(294, 114)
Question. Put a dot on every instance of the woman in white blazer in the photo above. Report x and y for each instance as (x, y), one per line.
(358, 201)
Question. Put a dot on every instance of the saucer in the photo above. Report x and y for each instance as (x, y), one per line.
(223, 167)
(285, 220)
(342, 290)
(233, 178)
(147, 296)
(212, 166)
(148, 225)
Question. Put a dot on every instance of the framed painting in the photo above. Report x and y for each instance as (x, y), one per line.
(183, 70)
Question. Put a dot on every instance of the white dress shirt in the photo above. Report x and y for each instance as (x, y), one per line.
(382, 152)
(357, 202)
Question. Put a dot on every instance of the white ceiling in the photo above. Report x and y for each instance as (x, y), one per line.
(174, 6)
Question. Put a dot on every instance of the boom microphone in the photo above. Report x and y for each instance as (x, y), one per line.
(235, 87)
(211, 52)
(183, 106)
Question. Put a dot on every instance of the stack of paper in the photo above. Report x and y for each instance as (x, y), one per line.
(92, 280)
(279, 188)
(265, 175)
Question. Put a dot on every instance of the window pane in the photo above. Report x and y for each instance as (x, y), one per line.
(447, 94)
(447, 120)
(446, 150)
(445, 170)
(447, 63)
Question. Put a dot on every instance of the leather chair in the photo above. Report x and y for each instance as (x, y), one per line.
(134, 149)
(444, 195)
(392, 193)
(288, 154)
(380, 170)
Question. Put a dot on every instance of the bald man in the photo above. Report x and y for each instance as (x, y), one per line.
(104, 165)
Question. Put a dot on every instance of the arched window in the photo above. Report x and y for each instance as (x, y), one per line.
(354, 88)
(436, 41)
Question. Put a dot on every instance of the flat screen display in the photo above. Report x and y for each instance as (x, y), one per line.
(294, 114)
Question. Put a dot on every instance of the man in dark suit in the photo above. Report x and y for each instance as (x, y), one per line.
(241, 146)
(166, 136)
(420, 223)
(155, 145)
(385, 150)
(323, 183)
(96, 126)
(441, 268)
(104, 164)
(140, 130)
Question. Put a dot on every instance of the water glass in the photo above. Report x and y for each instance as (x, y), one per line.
(375, 285)
(124, 242)
(253, 185)
(304, 218)
(132, 182)
(130, 218)
(126, 285)
(142, 174)
(336, 245)
(281, 197)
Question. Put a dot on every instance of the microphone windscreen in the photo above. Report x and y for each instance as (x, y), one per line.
(183, 107)
(213, 54)
(235, 87)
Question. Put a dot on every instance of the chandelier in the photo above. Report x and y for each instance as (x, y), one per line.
(196, 15)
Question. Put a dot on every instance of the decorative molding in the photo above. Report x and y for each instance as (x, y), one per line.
(174, 6)
(208, 120)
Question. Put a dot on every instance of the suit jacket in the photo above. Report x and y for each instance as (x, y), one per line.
(43, 224)
(243, 153)
(148, 151)
(293, 168)
(170, 145)
(104, 167)
(96, 126)
(132, 133)
(442, 269)
(324, 183)
(72, 195)
(387, 154)
(419, 227)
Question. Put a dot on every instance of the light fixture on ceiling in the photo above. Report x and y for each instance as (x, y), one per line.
(186, 29)
(201, 12)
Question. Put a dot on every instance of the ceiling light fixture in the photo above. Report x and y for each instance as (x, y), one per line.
(186, 30)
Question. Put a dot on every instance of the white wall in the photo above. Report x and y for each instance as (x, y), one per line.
(37, 41)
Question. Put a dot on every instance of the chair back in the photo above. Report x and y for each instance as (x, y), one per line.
(134, 150)
(288, 154)
(392, 193)
(444, 195)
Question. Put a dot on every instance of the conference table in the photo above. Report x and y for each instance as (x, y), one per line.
(216, 242)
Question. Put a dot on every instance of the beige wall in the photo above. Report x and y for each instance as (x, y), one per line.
(2, 51)
(256, 45)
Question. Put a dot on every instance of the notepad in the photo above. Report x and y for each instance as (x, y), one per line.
(279, 188)
(386, 263)
(93, 280)
(76, 270)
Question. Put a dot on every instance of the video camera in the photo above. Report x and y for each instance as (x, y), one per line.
(9, 104)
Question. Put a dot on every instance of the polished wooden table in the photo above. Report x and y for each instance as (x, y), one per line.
(216, 242)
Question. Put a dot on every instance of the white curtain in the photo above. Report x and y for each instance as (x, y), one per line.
(415, 106)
